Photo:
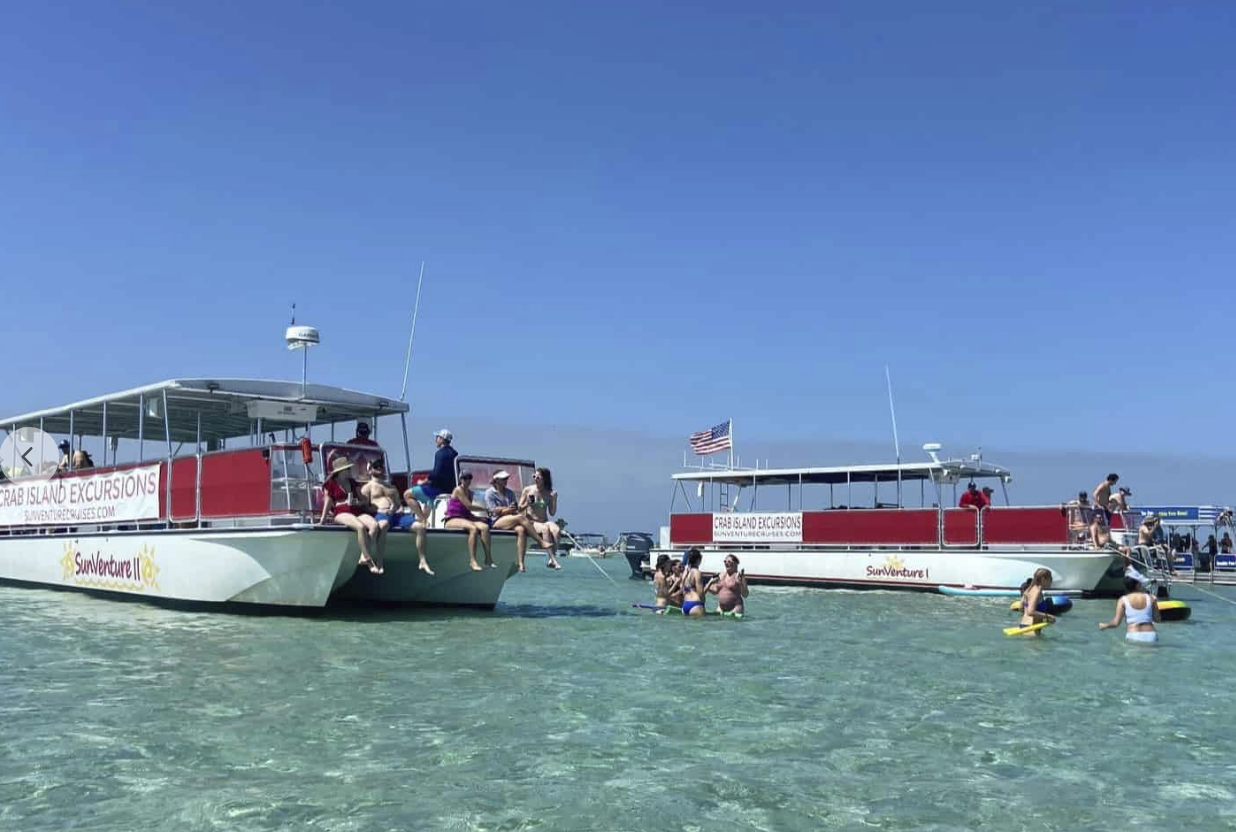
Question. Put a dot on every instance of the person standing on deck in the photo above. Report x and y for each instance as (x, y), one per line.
(362, 436)
(973, 498)
(442, 478)
(1103, 495)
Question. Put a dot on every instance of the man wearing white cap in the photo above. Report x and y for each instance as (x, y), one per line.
(507, 514)
(442, 478)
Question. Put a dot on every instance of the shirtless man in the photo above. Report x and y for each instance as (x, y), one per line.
(507, 515)
(384, 498)
(1103, 495)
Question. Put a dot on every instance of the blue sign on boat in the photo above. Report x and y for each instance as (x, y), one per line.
(1169, 513)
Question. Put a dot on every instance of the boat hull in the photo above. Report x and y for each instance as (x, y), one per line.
(453, 583)
(300, 566)
(910, 569)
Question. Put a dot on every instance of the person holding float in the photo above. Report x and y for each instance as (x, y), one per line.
(1031, 596)
(730, 587)
(1139, 610)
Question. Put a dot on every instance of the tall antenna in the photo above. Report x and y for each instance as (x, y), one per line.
(896, 443)
(403, 393)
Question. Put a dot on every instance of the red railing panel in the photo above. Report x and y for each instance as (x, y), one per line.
(184, 488)
(875, 527)
(690, 528)
(960, 527)
(235, 483)
(1026, 525)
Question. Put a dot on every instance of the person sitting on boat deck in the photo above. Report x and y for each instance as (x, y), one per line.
(661, 582)
(693, 585)
(1103, 495)
(541, 502)
(362, 436)
(730, 587)
(506, 514)
(442, 478)
(386, 503)
(1032, 594)
(1139, 609)
(1225, 545)
(343, 504)
(459, 516)
(973, 498)
(82, 460)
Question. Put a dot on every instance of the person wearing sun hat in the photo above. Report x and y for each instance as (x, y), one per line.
(342, 504)
(442, 478)
(504, 510)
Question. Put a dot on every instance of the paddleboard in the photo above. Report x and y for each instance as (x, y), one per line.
(1021, 631)
(978, 593)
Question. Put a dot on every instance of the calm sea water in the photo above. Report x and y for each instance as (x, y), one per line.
(567, 710)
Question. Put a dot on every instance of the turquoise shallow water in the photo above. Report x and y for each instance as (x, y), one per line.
(566, 710)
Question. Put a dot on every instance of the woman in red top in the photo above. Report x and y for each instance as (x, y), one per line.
(342, 502)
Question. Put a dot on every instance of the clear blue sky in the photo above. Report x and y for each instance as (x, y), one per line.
(646, 215)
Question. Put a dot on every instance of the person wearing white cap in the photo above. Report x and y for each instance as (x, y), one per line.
(442, 478)
(506, 514)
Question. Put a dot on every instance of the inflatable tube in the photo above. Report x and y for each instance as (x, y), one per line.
(1052, 605)
(1024, 631)
(1174, 611)
(978, 593)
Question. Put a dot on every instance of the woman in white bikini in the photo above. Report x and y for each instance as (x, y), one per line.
(1139, 610)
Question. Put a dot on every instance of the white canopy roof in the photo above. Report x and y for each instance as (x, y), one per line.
(944, 471)
(222, 404)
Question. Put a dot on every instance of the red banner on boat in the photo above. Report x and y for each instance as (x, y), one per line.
(112, 497)
(758, 527)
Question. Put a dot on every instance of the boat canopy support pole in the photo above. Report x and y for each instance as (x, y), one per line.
(103, 430)
(141, 426)
(71, 414)
(407, 451)
(167, 433)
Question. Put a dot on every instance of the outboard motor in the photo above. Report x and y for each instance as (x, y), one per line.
(636, 547)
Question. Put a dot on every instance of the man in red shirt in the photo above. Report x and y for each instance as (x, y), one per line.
(362, 436)
(973, 498)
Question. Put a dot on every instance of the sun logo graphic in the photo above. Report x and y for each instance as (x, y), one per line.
(893, 563)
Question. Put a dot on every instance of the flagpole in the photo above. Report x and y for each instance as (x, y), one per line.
(731, 443)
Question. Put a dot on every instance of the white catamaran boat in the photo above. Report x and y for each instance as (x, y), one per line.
(884, 543)
(225, 511)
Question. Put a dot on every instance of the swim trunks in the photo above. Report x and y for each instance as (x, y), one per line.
(1142, 637)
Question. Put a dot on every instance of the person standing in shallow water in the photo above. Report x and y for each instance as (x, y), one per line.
(661, 583)
(693, 585)
(730, 587)
(1140, 610)
(1030, 598)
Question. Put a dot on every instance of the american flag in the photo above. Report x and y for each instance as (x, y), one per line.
(716, 438)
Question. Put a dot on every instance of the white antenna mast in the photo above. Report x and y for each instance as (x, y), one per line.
(403, 393)
(302, 338)
(896, 443)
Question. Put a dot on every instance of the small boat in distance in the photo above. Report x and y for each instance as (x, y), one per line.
(587, 545)
(802, 534)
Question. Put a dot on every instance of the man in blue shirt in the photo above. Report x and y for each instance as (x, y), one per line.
(442, 478)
